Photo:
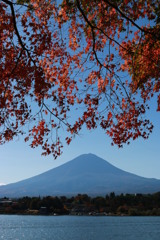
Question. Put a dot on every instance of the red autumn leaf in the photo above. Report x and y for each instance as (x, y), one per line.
(77, 56)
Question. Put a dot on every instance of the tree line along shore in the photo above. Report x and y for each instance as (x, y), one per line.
(82, 204)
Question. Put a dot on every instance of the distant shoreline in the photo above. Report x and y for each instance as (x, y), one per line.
(84, 205)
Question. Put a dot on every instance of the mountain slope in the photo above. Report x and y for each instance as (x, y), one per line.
(85, 174)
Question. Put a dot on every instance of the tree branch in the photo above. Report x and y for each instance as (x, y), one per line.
(127, 18)
(93, 35)
(16, 30)
(14, 23)
(95, 27)
(60, 119)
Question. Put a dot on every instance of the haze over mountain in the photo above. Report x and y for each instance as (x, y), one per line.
(85, 174)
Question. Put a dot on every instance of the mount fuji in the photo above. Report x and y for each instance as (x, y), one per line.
(86, 174)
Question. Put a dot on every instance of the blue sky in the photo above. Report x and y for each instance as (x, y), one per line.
(142, 157)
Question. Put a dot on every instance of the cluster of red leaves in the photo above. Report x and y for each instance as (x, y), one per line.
(94, 56)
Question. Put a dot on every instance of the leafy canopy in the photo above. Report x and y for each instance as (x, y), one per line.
(76, 63)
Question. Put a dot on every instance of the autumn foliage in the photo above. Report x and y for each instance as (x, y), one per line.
(74, 63)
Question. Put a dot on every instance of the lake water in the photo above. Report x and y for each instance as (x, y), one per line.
(79, 228)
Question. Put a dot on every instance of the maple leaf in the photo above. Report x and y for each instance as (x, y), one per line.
(88, 55)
